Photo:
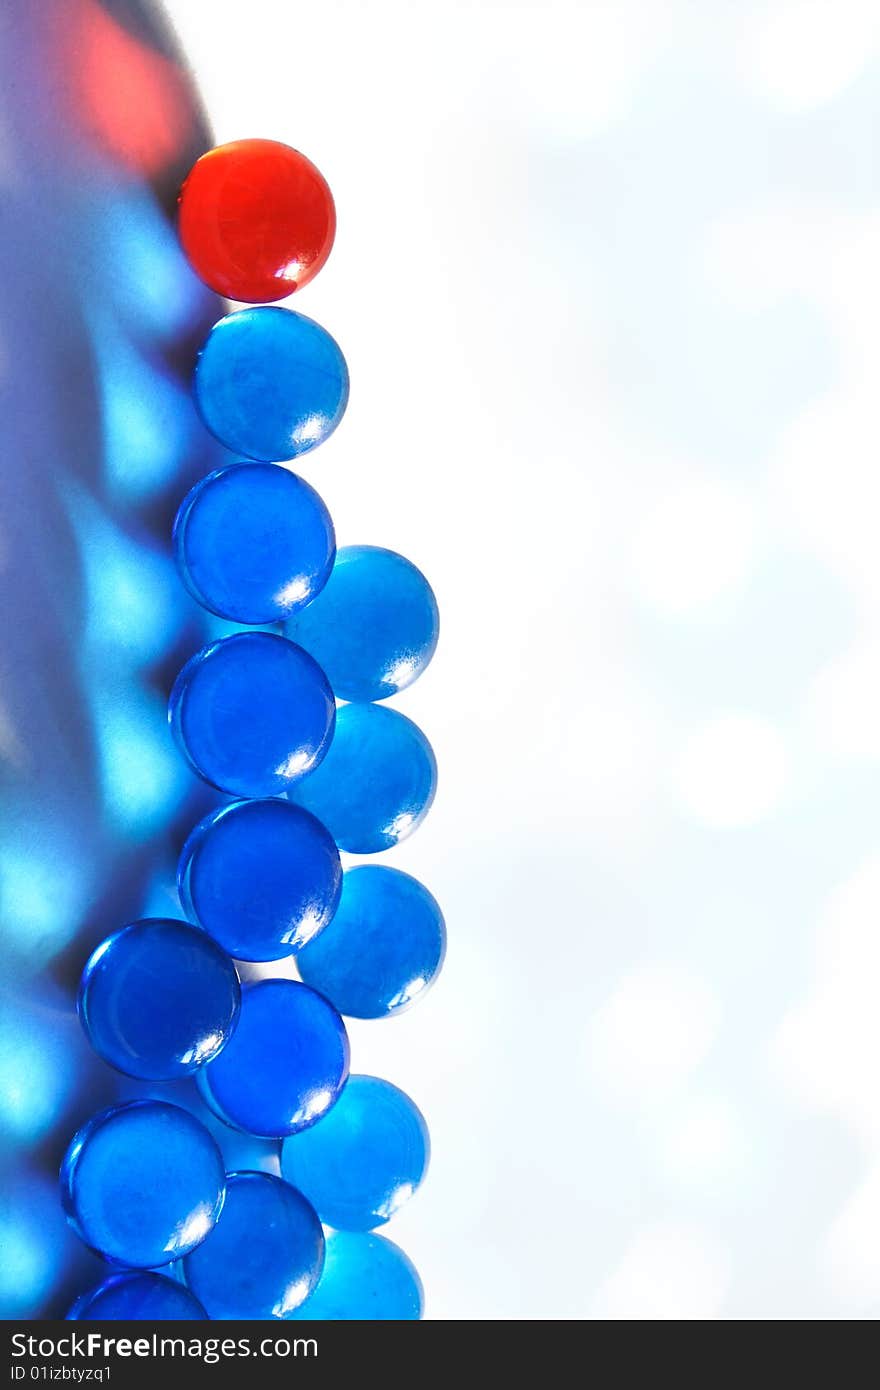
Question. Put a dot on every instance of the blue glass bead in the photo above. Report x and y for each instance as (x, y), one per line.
(285, 1064)
(373, 627)
(137, 1298)
(364, 1160)
(366, 1278)
(376, 784)
(143, 1183)
(263, 877)
(384, 946)
(158, 999)
(254, 542)
(252, 713)
(270, 383)
(265, 1254)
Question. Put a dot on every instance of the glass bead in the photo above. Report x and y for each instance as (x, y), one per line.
(365, 1278)
(373, 628)
(270, 384)
(382, 949)
(158, 999)
(285, 1064)
(137, 1298)
(256, 220)
(253, 542)
(263, 877)
(143, 1183)
(364, 1160)
(251, 713)
(377, 782)
(265, 1254)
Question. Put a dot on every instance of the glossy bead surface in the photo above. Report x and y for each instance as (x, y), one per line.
(253, 542)
(270, 384)
(252, 713)
(256, 220)
(364, 1160)
(143, 1183)
(137, 1298)
(373, 628)
(265, 1254)
(285, 1064)
(382, 949)
(366, 1278)
(377, 782)
(158, 999)
(263, 877)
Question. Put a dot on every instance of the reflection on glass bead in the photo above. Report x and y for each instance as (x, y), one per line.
(143, 1183)
(376, 784)
(158, 999)
(256, 220)
(270, 384)
(263, 877)
(383, 947)
(373, 628)
(285, 1064)
(252, 713)
(253, 542)
(366, 1278)
(137, 1298)
(364, 1160)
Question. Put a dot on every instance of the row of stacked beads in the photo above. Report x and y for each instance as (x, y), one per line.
(260, 878)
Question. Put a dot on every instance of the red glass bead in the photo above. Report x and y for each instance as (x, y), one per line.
(257, 220)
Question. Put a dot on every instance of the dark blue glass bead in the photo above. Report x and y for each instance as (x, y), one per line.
(158, 999)
(285, 1064)
(137, 1298)
(265, 1254)
(384, 946)
(364, 1160)
(366, 1278)
(270, 383)
(254, 542)
(263, 877)
(376, 784)
(252, 713)
(143, 1183)
(373, 627)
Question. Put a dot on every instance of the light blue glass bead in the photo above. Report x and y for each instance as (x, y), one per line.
(252, 713)
(366, 1278)
(364, 1160)
(376, 784)
(253, 542)
(143, 1183)
(158, 999)
(285, 1064)
(263, 877)
(382, 949)
(265, 1254)
(270, 383)
(137, 1298)
(373, 627)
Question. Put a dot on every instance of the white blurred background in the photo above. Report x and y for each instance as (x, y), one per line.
(607, 281)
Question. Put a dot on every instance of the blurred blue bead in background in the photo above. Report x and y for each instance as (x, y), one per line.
(270, 383)
(374, 626)
(377, 782)
(253, 542)
(265, 1254)
(252, 713)
(365, 1278)
(137, 1297)
(382, 949)
(364, 1160)
(158, 999)
(263, 877)
(143, 1183)
(285, 1064)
